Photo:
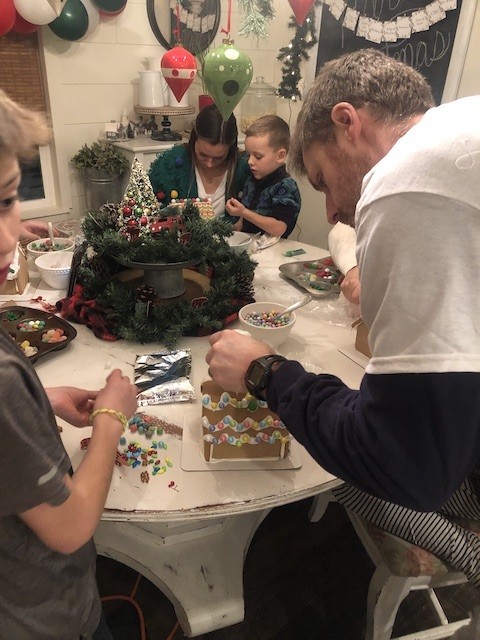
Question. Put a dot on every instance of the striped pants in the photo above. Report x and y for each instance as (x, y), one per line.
(435, 532)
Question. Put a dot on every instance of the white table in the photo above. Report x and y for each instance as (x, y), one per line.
(191, 540)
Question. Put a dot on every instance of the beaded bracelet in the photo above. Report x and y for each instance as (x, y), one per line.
(116, 414)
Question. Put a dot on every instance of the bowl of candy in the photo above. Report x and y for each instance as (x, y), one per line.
(54, 268)
(240, 241)
(261, 321)
(37, 248)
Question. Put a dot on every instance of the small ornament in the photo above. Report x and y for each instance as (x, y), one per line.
(227, 73)
(300, 9)
(179, 68)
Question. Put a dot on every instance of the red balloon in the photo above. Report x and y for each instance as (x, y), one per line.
(23, 26)
(8, 14)
(301, 9)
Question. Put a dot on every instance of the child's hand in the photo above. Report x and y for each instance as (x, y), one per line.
(235, 207)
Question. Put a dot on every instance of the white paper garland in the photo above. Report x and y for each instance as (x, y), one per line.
(200, 24)
(390, 30)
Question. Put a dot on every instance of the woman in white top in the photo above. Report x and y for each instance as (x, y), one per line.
(209, 165)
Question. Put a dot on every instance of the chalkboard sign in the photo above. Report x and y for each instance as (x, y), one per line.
(430, 52)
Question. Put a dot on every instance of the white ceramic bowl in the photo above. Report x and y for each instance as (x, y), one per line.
(43, 246)
(55, 267)
(240, 241)
(273, 335)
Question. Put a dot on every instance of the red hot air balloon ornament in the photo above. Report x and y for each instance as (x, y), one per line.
(300, 9)
(179, 68)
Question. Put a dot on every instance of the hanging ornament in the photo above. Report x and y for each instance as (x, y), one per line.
(227, 73)
(7, 16)
(300, 9)
(110, 6)
(22, 26)
(179, 68)
(72, 24)
(39, 12)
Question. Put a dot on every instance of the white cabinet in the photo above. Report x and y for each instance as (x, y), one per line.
(144, 148)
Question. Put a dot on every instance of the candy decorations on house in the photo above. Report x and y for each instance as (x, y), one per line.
(179, 68)
(227, 73)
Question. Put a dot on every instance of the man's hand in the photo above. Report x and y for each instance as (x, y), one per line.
(350, 286)
(230, 356)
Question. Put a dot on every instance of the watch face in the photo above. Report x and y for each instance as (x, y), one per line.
(256, 374)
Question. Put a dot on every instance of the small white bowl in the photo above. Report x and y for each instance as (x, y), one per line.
(37, 248)
(240, 241)
(55, 267)
(275, 336)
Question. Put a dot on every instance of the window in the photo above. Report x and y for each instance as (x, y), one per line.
(21, 78)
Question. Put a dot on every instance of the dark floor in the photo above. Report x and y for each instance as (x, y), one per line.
(302, 581)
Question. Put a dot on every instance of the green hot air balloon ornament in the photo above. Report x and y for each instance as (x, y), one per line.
(227, 72)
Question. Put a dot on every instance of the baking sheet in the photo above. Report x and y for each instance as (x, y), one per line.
(193, 460)
(12, 316)
(306, 273)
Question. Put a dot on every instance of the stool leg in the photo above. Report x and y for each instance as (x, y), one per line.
(385, 594)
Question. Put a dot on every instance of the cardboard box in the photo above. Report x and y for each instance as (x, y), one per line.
(361, 338)
(17, 285)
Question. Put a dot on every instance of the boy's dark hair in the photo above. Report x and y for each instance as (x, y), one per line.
(275, 127)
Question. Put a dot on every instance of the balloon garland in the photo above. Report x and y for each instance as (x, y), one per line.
(7, 16)
(68, 19)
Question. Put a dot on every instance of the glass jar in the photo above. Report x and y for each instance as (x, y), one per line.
(259, 100)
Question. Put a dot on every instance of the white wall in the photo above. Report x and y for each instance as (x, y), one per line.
(91, 82)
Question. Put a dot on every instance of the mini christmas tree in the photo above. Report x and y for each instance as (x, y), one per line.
(139, 206)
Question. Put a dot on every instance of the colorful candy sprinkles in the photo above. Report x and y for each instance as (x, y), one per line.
(267, 319)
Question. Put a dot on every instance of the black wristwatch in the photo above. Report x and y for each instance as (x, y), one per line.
(258, 373)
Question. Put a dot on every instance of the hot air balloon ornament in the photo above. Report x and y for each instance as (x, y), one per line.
(179, 68)
(227, 73)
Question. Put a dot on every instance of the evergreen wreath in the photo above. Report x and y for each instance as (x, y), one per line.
(257, 14)
(295, 53)
(135, 317)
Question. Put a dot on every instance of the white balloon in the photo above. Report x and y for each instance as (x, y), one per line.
(38, 12)
(57, 5)
(93, 17)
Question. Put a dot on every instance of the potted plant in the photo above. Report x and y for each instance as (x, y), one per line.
(102, 166)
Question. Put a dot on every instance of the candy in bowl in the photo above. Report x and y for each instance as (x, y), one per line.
(261, 322)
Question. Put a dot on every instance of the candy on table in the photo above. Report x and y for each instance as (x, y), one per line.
(294, 252)
(54, 335)
(31, 325)
(267, 319)
(28, 349)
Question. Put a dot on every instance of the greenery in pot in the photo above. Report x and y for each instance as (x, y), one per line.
(101, 157)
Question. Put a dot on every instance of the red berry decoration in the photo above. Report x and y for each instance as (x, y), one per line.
(160, 195)
(131, 223)
(143, 220)
(127, 210)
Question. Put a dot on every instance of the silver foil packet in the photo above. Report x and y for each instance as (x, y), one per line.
(164, 377)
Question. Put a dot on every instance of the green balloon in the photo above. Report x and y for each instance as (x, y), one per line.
(227, 72)
(110, 6)
(72, 23)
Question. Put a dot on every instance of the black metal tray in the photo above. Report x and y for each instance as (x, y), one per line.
(12, 317)
(318, 277)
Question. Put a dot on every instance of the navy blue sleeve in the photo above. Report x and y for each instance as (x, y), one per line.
(411, 439)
